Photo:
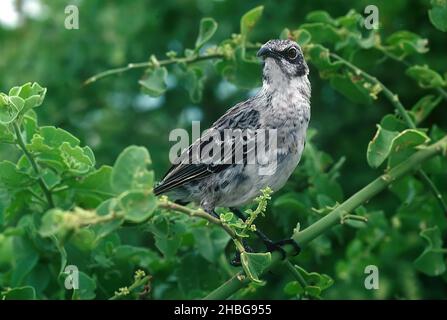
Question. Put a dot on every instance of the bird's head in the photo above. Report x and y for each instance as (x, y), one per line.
(282, 58)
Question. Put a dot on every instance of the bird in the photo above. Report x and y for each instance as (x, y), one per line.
(281, 110)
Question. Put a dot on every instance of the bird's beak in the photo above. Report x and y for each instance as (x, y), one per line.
(264, 52)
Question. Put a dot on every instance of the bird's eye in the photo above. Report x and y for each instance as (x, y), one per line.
(292, 53)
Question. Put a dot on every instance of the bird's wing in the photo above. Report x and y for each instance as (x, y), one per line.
(242, 116)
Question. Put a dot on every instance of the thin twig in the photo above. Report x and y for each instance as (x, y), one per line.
(149, 64)
(34, 165)
(296, 274)
(166, 204)
(138, 283)
(441, 91)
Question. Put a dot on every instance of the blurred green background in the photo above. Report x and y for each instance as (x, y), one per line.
(113, 113)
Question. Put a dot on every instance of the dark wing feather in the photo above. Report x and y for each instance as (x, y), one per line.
(241, 116)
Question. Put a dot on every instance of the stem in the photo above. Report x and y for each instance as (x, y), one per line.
(434, 189)
(394, 99)
(37, 197)
(197, 213)
(296, 274)
(333, 218)
(133, 287)
(33, 163)
(149, 64)
(441, 91)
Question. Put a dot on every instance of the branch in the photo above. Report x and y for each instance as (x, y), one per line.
(149, 64)
(394, 99)
(34, 165)
(165, 204)
(334, 217)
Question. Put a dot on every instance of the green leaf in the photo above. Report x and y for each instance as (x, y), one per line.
(28, 90)
(84, 239)
(8, 111)
(17, 102)
(249, 20)
(138, 206)
(30, 125)
(321, 16)
(404, 145)
(76, 159)
(28, 96)
(4, 99)
(93, 188)
(6, 135)
(351, 87)
(316, 282)
(103, 209)
(130, 170)
(438, 14)
(301, 36)
(87, 288)
(154, 84)
(58, 149)
(243, 72)
(21, 293)
(402, 43)
(422, 109)
(208, 27)
(210, 242)
(385, 142)
(319, 56)
(12, 177)
(193, 81)
(426, 77)
(379, 147)
(53, 224)
(254, 264)
(293, 288)
(322, 32)
(50, 178)
(392, 123)
(431, 261)
(55, 137)
(168, 244)
(25, 259)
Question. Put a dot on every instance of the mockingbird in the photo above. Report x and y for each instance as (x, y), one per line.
(280, 110)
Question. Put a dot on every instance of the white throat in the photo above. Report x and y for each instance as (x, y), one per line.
(275, 81)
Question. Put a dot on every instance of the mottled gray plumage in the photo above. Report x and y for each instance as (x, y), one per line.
(282, 104)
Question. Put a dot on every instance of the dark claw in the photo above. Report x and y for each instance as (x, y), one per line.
(236, 261)
(277, 246)
(212, 213)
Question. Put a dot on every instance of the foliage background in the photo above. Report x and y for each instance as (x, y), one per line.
(113, 113)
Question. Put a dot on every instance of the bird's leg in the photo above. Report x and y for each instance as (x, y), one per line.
(237, 259)
(212, 213)
(270, 245)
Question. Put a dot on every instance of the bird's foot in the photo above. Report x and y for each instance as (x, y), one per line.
(212, 213)
(236, 261)
(278, 246)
